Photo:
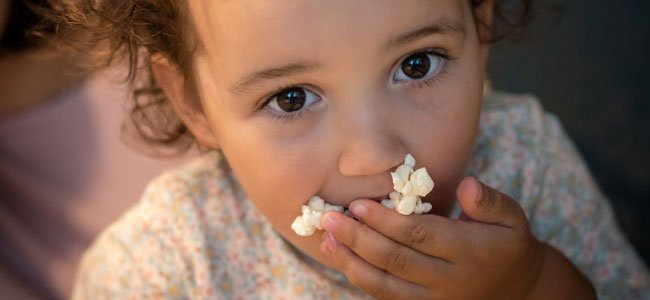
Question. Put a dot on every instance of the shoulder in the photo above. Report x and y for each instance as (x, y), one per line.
(518, 119)
(517, 135)
(149, 251)
(516, 131)
(523, 151)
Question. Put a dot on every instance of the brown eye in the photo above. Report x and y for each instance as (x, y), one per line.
(292, 100)
(418, 66)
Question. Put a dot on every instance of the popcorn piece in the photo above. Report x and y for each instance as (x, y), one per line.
(309, 221)
(301, 228)
(424, 207)
(390, 203)
(409, 160)
(406, 206)
(421, 182)
(409, 186)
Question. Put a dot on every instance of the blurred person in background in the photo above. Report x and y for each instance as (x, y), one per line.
(65, 173)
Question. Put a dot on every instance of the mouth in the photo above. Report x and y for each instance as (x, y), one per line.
(377, 198)
(373, 198)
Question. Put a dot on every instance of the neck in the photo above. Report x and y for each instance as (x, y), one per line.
(31, 79)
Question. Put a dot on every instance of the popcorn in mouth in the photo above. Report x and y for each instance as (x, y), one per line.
(409, 186)
(309, 221)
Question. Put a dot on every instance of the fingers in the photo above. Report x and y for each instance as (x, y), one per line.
(482, 203)
(384, 253)
(430, 234)
(371, 279)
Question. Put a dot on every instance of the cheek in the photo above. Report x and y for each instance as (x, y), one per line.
(442, 137)
(278, 175)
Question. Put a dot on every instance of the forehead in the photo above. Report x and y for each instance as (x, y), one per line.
(260, 33)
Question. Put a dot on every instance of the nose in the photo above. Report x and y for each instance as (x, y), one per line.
(370, 145)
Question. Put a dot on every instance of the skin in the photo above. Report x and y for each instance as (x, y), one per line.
(344, 146)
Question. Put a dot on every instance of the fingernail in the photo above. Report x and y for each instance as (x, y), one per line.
(329, 222)
(477, 184)
(358, 209)
(330, 242)
(471, 188)
(477, 190)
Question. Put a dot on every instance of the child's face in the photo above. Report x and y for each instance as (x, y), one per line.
(357, 85)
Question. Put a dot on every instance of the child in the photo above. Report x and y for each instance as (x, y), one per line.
(304, 98)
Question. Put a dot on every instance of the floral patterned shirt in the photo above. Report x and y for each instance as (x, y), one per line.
(195, 235)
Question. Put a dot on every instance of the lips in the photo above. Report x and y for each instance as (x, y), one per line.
(346, 203)
(374, 198)
(377, 198)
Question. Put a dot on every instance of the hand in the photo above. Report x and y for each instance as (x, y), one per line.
(489, 253)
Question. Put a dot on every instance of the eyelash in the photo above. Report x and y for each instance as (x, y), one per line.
(287, 117)
(417, 84)
(444, 69)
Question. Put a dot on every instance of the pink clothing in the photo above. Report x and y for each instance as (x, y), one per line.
(64, 175)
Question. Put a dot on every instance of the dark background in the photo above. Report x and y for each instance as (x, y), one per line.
(589, 64)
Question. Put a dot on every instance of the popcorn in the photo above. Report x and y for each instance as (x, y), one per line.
(421, 182)
(306, 224)
(409, 186)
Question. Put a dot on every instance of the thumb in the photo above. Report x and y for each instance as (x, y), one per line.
(482, 203)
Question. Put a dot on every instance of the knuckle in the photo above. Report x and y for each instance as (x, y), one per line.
(354, 277)
(376, 290)
(521, 213)
(354, 239)
(396, 261)
(372, 288)
(344, 263)
(524, 240)
(417, 234)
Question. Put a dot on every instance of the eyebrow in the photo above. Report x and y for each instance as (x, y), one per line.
(245, 83)
(441, 26)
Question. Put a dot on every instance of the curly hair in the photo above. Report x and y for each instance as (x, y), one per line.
(133, 30)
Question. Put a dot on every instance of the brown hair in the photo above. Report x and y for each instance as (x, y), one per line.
(111, 31)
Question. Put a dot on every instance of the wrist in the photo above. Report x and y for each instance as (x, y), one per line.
(560, 279)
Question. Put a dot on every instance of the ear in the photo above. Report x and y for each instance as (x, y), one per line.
(484, 13)
(184, 99)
